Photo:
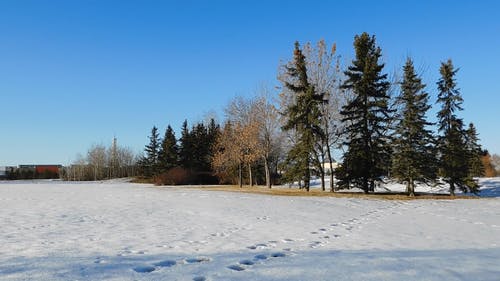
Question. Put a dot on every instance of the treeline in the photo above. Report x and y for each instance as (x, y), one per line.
(186, 160)
(101, 163)
(376, 125)
(246, 148)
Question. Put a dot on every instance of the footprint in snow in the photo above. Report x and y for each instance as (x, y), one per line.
(144, 269)
(258, 246)
(316, 244)
(166, 263)
(199, 278)
(197, 260)
(278, 255)
(236, 267)
(246, 262)
(260, 257)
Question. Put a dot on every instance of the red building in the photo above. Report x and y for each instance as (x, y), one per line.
(40, 169)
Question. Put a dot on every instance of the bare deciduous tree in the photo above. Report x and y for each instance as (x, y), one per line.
(324, 72)
(96, 158)
(270, 135)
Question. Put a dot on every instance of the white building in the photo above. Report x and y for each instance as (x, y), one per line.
(326, 166)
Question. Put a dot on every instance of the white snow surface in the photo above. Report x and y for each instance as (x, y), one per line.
(114, 230)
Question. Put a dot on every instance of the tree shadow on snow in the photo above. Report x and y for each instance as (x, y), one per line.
(460, 264)
(490, 187)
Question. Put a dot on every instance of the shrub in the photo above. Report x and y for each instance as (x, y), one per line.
(174, 176)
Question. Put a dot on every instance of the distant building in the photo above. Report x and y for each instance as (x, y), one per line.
(34, 171)
(6, 171)
(326, 166)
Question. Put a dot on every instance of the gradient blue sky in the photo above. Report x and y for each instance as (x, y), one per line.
(73, 73)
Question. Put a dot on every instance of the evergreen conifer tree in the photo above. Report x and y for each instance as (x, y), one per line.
(152, 150)
(186, 147)
(304, 116)
(454, 157)
(199, 138)
(366, 117)
(168, 155)
(413, 158)
(476, 168)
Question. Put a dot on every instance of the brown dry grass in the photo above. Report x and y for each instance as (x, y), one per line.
(142, 180)
(319, 193)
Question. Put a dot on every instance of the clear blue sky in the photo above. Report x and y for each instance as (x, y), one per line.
(73, 73)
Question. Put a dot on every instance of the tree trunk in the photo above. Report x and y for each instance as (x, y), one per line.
(372, 185)
(330, 161)
(322, 173)
(410, 187)
(452, 189)
(250, 179)
(268, 173)
(366, 185)
(240, 175)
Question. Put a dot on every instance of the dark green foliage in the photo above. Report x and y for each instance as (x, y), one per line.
(414, 153)
(366, 118)
(186, 147)
(476, 168)
(168, 155)
(303, 116)
(150, 162)
(454, 156)
(196, 147)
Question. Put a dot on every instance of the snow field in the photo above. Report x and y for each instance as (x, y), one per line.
(120, 231)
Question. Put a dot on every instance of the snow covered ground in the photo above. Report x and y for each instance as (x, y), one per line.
(121, 231)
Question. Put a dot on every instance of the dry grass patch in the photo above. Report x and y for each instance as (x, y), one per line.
(343, 194)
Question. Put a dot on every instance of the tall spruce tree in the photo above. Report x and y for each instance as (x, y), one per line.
(199, 137)
(454, 157)
(186, 147)
(168, 155)
(366, 117)
(476, 167)
(413, 145)
(152, 149)
(303, 116)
